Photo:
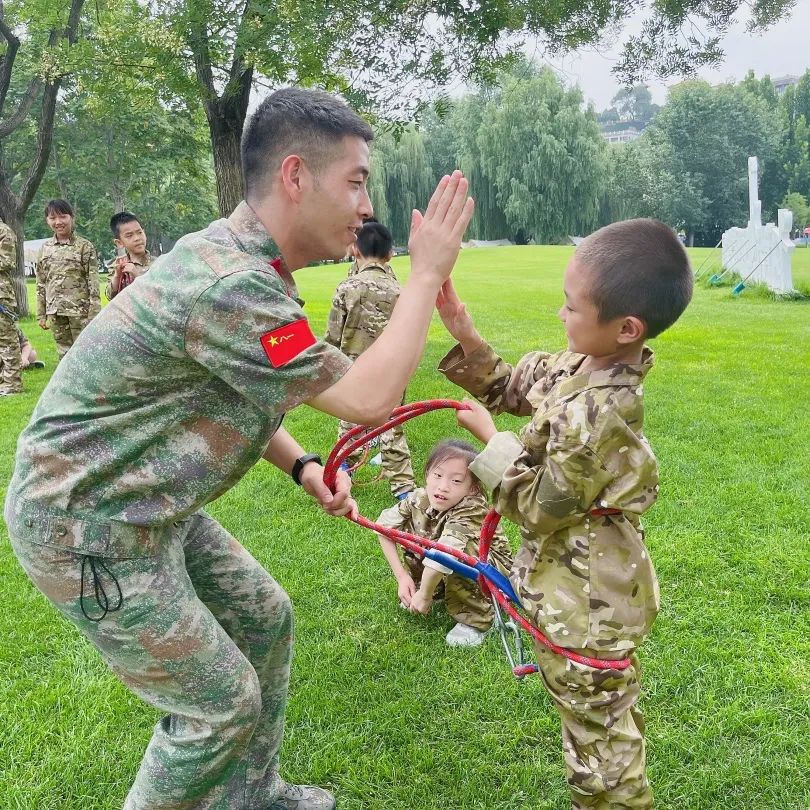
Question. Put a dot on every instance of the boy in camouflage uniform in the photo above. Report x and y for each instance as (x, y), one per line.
(361, 308)
(10, 361)
(172, 394)
(67, 279)
(449, 509)
(132, 258)
(576, 480)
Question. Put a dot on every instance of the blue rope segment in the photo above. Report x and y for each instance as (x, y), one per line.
(487, 570)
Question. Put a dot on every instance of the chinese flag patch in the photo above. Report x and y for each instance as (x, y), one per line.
(287, 342)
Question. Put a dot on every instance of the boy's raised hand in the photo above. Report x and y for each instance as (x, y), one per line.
(477, 420)
(456, 319)
(435, 237)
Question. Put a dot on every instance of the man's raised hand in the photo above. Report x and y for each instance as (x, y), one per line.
(435, 237)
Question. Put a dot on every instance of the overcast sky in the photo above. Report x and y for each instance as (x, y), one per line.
(779, 51)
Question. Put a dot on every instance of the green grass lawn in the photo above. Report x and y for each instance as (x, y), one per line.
(380, 709)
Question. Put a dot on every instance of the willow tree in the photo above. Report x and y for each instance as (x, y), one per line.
(401, 180)
(545, 156)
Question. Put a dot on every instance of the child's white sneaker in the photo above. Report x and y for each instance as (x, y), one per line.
(462, 635)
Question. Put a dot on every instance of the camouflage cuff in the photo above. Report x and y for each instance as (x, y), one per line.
(467, 371)
(500, 453)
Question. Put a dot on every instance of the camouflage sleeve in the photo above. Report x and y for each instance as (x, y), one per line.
(397, 516)
(462, 531)
(494, 382)
(224, 334)
(8, 251)
(337, 318)
(90, 261)
(40, 268)
(558, 493)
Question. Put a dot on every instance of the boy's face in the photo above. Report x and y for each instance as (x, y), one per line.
(448, 483)
(60, 224)
(132, 238)
(586, 334)
(335, 201)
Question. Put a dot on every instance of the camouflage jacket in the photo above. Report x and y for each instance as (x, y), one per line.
(67, 279)
(587, 580)
(140, 269)
(459, 527)
(8, 264)
(361, 308)
(169, 396)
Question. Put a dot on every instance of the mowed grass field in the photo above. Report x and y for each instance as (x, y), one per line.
(380, 710)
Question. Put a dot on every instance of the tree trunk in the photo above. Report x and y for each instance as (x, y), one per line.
(226, 119)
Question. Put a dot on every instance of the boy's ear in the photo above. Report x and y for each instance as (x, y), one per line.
(118, 242)
(632, 330)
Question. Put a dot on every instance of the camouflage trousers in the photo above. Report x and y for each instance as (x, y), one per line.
(199, 630)
(602, 732)
(463, 598)
(10, 357)
(396, 458)
(66, 328)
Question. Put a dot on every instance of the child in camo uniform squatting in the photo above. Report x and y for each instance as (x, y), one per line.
(577, 479)
(450, 509)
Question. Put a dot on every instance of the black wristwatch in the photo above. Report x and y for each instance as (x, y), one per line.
(299, 466)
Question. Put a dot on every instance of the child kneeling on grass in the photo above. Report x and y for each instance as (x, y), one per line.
(449, 509)
(576, 479)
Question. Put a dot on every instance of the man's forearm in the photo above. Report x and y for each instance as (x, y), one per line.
(282, 451)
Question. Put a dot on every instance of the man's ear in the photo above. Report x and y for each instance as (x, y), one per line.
(632, 330)
(294, 176)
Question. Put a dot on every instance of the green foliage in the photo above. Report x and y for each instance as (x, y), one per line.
(801, 210)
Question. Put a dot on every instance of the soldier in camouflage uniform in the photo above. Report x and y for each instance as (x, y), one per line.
(169, 397)
(10, 361)
(577, 479)
(362, 305)
(132, 259)
(67, 279)
(450, 509)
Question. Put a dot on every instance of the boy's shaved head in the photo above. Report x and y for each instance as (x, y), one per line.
(637, 267)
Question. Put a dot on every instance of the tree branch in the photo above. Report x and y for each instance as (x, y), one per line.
(10, 55)
(23, 108)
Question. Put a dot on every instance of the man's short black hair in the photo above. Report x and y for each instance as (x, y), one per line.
(119, 219)
(294, 121)
(58, 206)
(374, 241)
(638, 267)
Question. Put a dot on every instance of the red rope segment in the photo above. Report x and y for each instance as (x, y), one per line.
(358, 437)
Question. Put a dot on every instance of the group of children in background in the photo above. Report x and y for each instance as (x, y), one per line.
(67, 286)
(576, 480)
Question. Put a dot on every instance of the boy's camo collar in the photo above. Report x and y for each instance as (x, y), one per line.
(621, 374)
